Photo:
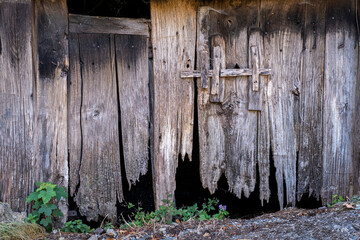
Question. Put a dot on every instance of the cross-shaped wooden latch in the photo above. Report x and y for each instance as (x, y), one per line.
(219, 73)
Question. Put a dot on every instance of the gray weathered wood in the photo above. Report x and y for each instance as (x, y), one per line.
(99, 184)
(18, 171)
(173, 23)
(254, 84)
(227, 73)
(217, 87)
(52, 65)
(205, 66)
(282, 47)
(92, 24)
(341, 51)
(309, 176)
(228, 131)
(133, 76)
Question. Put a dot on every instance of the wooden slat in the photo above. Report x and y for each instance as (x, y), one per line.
(173, 23)
(227, 73)
(52, 67)
(254, 81)
(341, 52)
(228, 131)
(282, 47)
(100, 184)
(205, 66)
(17, 158)
(311, 102)
(215, 81)
(133, 76)
(91, 24)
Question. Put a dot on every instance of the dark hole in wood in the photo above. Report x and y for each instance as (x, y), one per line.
(111, 8)
(237, 66)
(0, 47)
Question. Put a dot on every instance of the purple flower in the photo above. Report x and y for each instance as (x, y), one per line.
(222, 207)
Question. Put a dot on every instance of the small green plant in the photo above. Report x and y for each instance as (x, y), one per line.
(336, 199)
(108, 226)
(168, 212)
(76, 226)
(44, 199)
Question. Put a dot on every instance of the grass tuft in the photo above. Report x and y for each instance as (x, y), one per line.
(21, 231)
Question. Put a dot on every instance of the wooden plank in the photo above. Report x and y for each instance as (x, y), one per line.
(52, 64)
(228, 131)
(204, 69)
(254, 84)
(281, 23)
(263, 127)
(17, 159)
(217, 88)
(74, 113)
(339, 100)
(107, 25)
(309, 176)
(133, 76)
(173, 23)
(100, 184)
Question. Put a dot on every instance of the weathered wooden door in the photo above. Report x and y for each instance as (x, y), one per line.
(108, 109)
(232, 77)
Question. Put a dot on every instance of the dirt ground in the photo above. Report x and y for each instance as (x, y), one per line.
(292, 223)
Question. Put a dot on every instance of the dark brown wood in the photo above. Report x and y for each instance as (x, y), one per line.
(99, 183)
(173, 23)
(52, 65)
(92, 24)
(133, 76)
(18, 168)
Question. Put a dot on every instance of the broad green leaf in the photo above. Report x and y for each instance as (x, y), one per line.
(45, 221)
(60, 192)
(47, 195)
(37, 205)
(57, 213)
(32, 197)
(47, 209)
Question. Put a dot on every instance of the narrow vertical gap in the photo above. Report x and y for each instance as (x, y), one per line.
(81, 123)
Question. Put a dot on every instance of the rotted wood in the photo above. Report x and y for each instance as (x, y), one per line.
(97, 150)
(173, 23)
(309, 178)
(217, 87)
(107, 25)
(281, 23)
(18, 168)
(340, 83)
(133, 76)
(227, 130)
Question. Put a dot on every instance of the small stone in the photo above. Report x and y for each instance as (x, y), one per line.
(110, 232)
(61, 238)
(206, 235)
(99, 231)
(55, 231)
(162, 229)
(93, 237)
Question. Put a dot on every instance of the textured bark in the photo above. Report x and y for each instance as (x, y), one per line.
(173, 36)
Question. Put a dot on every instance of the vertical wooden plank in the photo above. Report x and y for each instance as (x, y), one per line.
(133, 76)
(205, 66)
(254, 84)
(74, 113)
(309, 176)
(51, 92)
(17, 160)
(173, 24)
(228, 131)
(100, 173)
(217, 88)
(259, 101)
(341, 52)
(282, 24)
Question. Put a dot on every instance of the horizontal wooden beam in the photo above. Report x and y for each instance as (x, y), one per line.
(108, 25)
(227, 73)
